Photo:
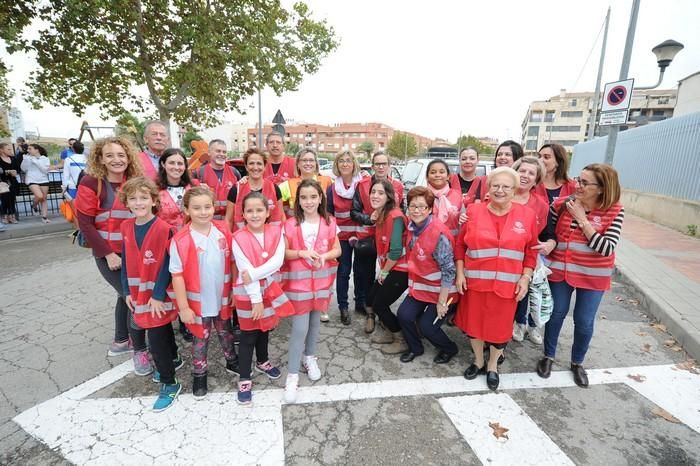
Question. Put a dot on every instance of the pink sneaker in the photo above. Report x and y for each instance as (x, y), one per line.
(117, 348)
(142, 363)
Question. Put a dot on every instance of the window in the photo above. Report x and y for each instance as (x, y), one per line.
(531, 144)
(533, 131)
(567, 142)
(536, 116)
(549, 115)
(573, 102)
(658, 113)
(563, 129)
(571, 114)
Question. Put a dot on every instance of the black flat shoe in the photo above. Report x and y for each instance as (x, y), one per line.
(409, 356)
(345, 317)
(472, 371)
(443, 357)
(199, 386)
(544, 367)
(492, 380)
(580, 376)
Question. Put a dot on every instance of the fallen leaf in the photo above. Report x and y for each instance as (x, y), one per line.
(646, 348)
(498, 430)
(637, 377)
(642, 334)
(689, 366)
(670, 342)
(660, 327)
(665, 414)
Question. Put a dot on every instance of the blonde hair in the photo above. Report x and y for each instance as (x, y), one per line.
(143, 184)
(300, 154)
(196, 191)
(532, 161)
(355, 163)
(95, 167)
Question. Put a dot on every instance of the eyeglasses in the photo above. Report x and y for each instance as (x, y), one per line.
(344, 162)
(498, 187)
(381, 164)
(584, 183)
(307, 160)
(417, 208)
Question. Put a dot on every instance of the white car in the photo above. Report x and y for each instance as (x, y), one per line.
(414, 173)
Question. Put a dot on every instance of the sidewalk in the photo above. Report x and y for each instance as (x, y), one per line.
(33, 226)
(663, 265)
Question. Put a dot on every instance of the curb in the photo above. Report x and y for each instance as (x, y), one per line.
(36, 230)
(657, 307)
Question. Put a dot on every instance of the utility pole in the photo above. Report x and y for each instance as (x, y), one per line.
(259, 144)
(596, 96)
(624, 69)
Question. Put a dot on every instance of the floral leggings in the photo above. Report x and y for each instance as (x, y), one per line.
(200, 346)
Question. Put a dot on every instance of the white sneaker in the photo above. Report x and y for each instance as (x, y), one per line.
(324, 317)
(534, 334)
(290, 388)
(311, 367)
(519, 331)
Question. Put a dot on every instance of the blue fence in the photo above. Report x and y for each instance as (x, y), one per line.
(661, 158)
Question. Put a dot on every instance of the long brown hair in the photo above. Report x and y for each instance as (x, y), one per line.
(322, 210)
(96, 168)
(390, 199)
(608, 182)
(562, 159)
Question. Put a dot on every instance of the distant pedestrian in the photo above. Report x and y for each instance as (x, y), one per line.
(9, 171)
(73, 166)
(66, 152)
(36, 168)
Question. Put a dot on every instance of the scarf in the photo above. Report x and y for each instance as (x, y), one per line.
(418, 229)
(443, 207)
(342, 191)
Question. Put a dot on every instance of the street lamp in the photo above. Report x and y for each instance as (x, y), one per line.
(665, 53)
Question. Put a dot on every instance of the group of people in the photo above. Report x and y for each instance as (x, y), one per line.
(216, 250)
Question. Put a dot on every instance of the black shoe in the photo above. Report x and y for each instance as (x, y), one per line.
(492, 380)
(345, 317)
(472, 371)
(186, 334)
(360, 310)
(443, 357)
(409, 356)
(232, 366)
(580, 376)
(199, 386)
(544, 367)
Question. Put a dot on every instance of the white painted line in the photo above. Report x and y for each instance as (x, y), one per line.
(526, 443)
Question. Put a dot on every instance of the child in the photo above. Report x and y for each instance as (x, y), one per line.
(200, 262)
(309, 274)
(145, 278)
(258, 250)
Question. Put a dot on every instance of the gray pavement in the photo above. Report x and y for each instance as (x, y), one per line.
(368, 408)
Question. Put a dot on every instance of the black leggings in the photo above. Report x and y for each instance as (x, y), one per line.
(252, 339)
(8, 202)
(124, 326)
(164, 351)
(381, 297)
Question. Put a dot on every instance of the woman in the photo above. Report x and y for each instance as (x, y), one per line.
(530, 172)
(255, 162)
(306, 168)
(35, 165)
(556, 182)
(392, 280)
(495, 260)
(588, 228)
(339, 196)
(173, 181)
(473, 187)
(448, 200)
(507, 153)
(431, 279)
(9, 169)
(112, 161)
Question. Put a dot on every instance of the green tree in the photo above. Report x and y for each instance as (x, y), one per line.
(367, 147)
(189, 136)
(196, 59)
(14, 17)
(469, 140)
(292, 148)
(402, 145)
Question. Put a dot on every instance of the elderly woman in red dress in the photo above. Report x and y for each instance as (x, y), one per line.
(495, 260)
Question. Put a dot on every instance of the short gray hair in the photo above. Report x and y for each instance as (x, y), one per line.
(150, 123)
(502, 171)
(274, 133)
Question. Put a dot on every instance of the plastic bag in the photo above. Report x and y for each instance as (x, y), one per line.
(540, 301)
(67, 211)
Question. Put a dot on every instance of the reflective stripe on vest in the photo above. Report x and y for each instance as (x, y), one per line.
(492, 275)
(143, 308)
(307, 295)
(351, 228)
(113, 214)
(306, 274)
(342, 215)
(495, 252)
(430, 288)
(580, 247)
(143, 286)
(110, 236)
(595, 271)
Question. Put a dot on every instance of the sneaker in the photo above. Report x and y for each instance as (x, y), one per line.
(324, 317)
(232, 366)
(534, 334)
(142, 363)
(117, 348)
(311, 366)
(166, 397)
(45, 220)
(268, 369)
(245, 395)
(178, 363)
(519, 331)
(199, 386)
(290, 388)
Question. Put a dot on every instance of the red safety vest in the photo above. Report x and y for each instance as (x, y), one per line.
(275, 302)
(285, 172)
(492, 263)
(149, 171)
(190, 266)
(219, 188)
(567, 189)
(268, 190)
(452, 223)
(307, 287)
(423, 272)
(364, 187)
(170, 211)
(142, 267)
(477, 190)
(573, 261)
(383, 241)
(540, 207)
(347, 226)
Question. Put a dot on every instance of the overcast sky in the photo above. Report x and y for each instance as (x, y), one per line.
(443, 67)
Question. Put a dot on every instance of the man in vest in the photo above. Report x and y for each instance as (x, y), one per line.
(280, 167)
(155, 136)
(217, 176)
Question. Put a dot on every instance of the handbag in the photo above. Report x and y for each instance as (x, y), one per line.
(67, 211)
(365, 247)
(4, 187)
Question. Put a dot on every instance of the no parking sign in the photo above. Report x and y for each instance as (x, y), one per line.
(616, 102)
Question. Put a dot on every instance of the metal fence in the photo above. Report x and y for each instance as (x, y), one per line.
(661, 158)
(23, 203)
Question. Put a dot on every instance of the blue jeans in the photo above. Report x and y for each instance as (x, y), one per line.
(342, 281)
(585, 309)
(414, 314)
(522, 315)
(363, 270)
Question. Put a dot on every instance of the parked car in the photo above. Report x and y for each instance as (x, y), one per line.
(414, 171)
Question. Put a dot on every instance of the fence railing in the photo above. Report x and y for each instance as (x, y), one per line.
(661, 158)
(23, 203)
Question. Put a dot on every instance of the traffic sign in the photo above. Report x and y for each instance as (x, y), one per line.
(617, 95)
(615, 117)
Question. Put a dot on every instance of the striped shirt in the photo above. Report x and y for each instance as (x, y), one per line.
(605, 243)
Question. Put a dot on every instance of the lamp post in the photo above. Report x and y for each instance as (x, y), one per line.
(665, 52)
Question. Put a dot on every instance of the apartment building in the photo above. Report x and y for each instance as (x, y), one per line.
(564, 118)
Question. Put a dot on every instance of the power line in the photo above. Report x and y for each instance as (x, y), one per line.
(589, 56)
